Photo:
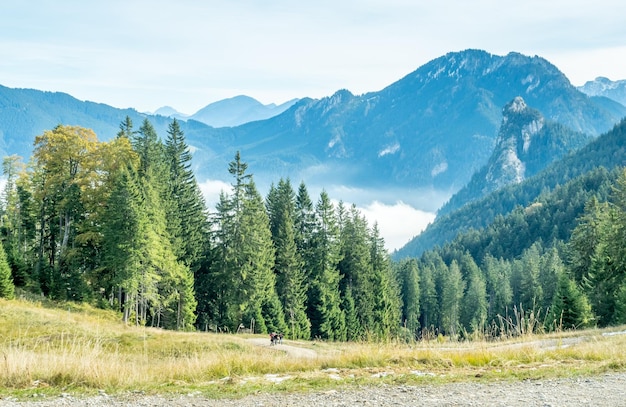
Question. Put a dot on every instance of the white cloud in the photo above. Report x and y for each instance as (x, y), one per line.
(397, 223)
(211, 190)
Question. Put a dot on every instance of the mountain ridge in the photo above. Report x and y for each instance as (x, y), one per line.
(602, 86)
(230, 112)
(428, 131)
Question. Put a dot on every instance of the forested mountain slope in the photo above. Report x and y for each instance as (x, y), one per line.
(608, 151)
(526, 144)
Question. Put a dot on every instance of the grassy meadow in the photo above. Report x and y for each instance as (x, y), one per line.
(47, 348)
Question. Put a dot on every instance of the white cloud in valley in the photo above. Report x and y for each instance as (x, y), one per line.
(397, 223)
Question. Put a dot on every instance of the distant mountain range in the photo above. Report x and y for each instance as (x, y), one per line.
(601, 86)
(230, 112)
(429, 131)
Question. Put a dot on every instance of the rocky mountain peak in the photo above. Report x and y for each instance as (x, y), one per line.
(520, 125)
(517, 105)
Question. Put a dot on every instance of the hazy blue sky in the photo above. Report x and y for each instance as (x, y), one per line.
(186, 54)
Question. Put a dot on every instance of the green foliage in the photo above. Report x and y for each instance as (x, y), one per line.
(328, 320)
(7, 288)
(410, 291)
(570, 308)
(451, 296)
(291, 285)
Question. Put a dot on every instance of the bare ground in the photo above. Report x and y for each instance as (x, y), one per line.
(291, 350)
(604, 390)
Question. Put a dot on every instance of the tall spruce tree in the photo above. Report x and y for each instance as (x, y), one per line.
(7, 288)
(451, 296)
(570, 308)
(17, 220)
(244, 281)
(498, 286)
(429, 304)
(474, 304)
(408, 274)
(387, 296)
(290, 279)
(357, 272)
(122, 277)
(186, 212)
(324, 302)
(258, 298)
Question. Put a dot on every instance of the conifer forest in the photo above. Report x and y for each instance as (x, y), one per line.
(123, 225)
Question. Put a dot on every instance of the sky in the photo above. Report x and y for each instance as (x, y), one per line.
(189, 53)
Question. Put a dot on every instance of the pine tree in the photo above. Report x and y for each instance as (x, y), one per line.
(348, 306)
(474, 305)
(550, 271)
(18, 224)
(530, 291)
(7, 288)
(151, 153)
(498, 285)
(324, 302)
(387, 296)
(429, 304)
(451, 297)
(244, 284)
(290, 279)
(126, 129)
(409, 279)
(123, 278)
(570, 308)
(357, 272)
(186, 211)
(259, 297)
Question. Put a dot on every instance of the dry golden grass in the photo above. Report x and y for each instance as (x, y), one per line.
(78, 348)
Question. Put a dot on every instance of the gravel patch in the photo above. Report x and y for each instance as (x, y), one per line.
(604, 390)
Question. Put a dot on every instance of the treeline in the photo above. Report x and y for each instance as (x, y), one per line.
(122, 224)
(559, 263)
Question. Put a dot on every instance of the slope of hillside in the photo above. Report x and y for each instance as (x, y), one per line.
(608, 151)
(526, 144)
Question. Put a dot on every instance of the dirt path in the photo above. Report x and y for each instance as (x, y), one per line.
(294, 351)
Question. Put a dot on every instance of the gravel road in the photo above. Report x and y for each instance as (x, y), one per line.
(605, 390)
